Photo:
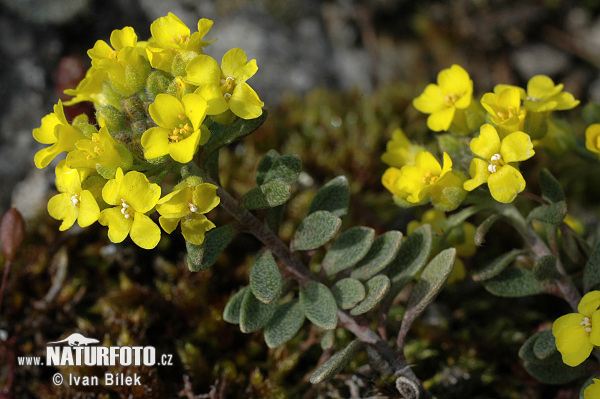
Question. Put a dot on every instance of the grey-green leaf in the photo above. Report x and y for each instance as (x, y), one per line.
(384, 249)
(544, 268)
(428, 286)
(201, 257)
(377, 288)
(333, 197)
(231, 313)
(335, 363)
(556, 373)
(255, 314)
(319, 305)
(265, 278)
(553, 213)
(591, 273)
(484, 227)
(496, 266)
(411, 258)
(348, 292)
(264, 165)
(268, 195)
(287, 168)
(285, 324)
(315, 230)
(551, 189)
(514, 282)
(544, 345)
(351, 246)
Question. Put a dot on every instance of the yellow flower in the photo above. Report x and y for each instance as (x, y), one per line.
(400, 150)
(133, 196)
(592, 138)
(73, 203)
(101, 153)
(173, 40)
(126, 65)
(575, 334)
(496, 165)
(225, 87)
(179, 131)
(593, 390)
(505, 110)
(187, 204)
(57, 131)
(543, 95)
(453, 91)
(426, 179)
(96, 88)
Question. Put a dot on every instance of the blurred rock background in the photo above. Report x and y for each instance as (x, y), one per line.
(299, 45)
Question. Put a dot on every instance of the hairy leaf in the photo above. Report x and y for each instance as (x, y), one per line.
(484, 227)
(348, 292)
(231, 313)
(268, 195)
(514, 282)
(384, 249)
(286, 167)
(332, 197)
(265, 164)
(351, 246)
(319, 305)
(591, 273)
(411, 258)
(285, 324)
(255, 314)
(554, 213)
(377, 288)
(316, 230)
(201, 257)
(496, 266)
(265, 278)
(335, 363)
(551, 189)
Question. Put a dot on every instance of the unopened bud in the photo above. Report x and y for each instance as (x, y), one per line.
(134, 109)
(156, 84)
(113, 117)
(12, 230)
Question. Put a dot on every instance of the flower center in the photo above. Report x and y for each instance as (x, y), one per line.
(451, 99)
(510, 112)
(496, 163)
(182, 131)
(227, 86)
(180, 39)
(193, 209)
(75, 200)
(587, 323)
(125, 209)
(429, 179)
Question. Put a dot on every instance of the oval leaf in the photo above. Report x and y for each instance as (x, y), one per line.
(551, 189)
(332, 197)
(231, 314)
(265, 278)
(287, 168)
(545, 345)
(319, 305)
(255, 314)
(496, 267)
(264, 165)
(348, 292)
(556, 373)
(316, 230)
(554, 213)
(201, 257)
(377, 288)
(384, 249)
(544, 268)
(514, 282)
(351, 246)
(428, 286)
(268, 195)
(335, 363)
(411, 258)
(484, 227)
(285, 324)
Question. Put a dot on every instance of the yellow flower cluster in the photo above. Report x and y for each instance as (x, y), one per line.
(155, 101)
(505, 126)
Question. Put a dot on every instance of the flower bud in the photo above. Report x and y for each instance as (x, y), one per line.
(113, 117)
(156, 83)
(134, 109)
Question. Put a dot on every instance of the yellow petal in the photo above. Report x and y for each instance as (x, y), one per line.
(592, 391)
(479, 174)
(45, 133)
(516, 147)
(592, 138)
(505, 184)
(168, 224)
(203, 70)
(144, 232)
(441, 120)
(390, 179)
(235, 64)
(155, 142)
(139, 192)
(595, 334)
(126, 37)
(118, 225)
(166, 28)
(88, 209)
(455, 80)
(174, 204)
(195, 228)
(184, 150)
(110, 191)
(487, 143)
(60, 207)
(244, 102)
(195, 108)
(432, 99)
(165, 111)
(589, 303)
(574, 345)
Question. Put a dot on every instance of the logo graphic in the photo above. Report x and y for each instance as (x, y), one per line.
(76, 339)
